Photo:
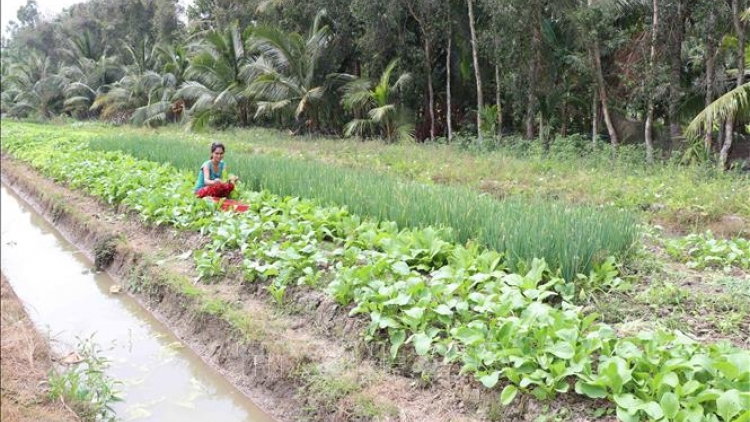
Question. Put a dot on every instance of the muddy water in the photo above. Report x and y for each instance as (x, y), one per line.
(162, 380)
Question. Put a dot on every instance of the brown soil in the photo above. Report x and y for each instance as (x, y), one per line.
(25, 361)
(304, 360)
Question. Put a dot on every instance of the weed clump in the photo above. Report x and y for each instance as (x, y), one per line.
(104, 252)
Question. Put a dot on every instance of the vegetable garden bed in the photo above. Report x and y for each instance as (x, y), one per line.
(420, 292)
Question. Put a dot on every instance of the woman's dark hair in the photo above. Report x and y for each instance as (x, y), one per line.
(217, 145)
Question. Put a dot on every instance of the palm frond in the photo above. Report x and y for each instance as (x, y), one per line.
(357, 94)
(151, 115)
(405, 132)
(270, 108)
(276, 45)
(77, 103)
(402, 80)
(192, 90)
(381, 114)
(311, 97)
(359, 127)
(730, 104)
(225, 100)
(78, 87)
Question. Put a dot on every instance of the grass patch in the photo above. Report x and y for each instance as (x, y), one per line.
(86, 384)
(571, 239)
(326, 387)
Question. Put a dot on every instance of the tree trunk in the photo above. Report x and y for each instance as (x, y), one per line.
(729, 126)
(597, 63)
(564, 116)
(604, 97)
(728, 135)
(534, 65)
(499, 105)
(650, 86)
(448, 113)
(530, 115)
(477, 73)
(741, 29)
(425, 32)
(448, 102)
(498, 87)
(541, 131)
(243, 113)
(675, 91)
(595, 116)
(430, 91)
(710, 76)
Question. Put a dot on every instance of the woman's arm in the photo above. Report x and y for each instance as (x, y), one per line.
(207, 177)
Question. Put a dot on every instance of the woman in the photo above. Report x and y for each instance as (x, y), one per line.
(209, 178)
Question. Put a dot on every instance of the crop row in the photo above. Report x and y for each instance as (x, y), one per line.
(418, 289)
(704, 250)
(573, 239)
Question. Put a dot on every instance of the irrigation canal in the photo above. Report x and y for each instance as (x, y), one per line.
(162, 380)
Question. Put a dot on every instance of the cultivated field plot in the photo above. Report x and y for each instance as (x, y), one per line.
(530, 296)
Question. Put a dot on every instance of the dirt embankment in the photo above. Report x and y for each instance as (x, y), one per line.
(25, 361)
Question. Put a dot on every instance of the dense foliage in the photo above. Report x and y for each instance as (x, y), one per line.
(395, 68)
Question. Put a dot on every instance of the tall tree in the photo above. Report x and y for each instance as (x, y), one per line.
(534, 63)
(28, 14)
(601, 87)
(425, 12)
(448, 65)
(710, 59)
(31, 86)
(740, 31)
(650, 83)
(477, 70)
(678, 14)
(166, 20)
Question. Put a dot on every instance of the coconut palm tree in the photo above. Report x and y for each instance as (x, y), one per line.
(89, 69)
(88, 78)
(134, 92)
(143, 55)
(384, 118)
(162, 105)
(215, 90)
(31, 86)
(284, 78)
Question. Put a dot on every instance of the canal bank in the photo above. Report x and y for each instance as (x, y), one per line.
(157, 377)
(25, 364)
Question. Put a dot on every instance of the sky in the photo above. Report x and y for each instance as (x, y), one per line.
(48, 8)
